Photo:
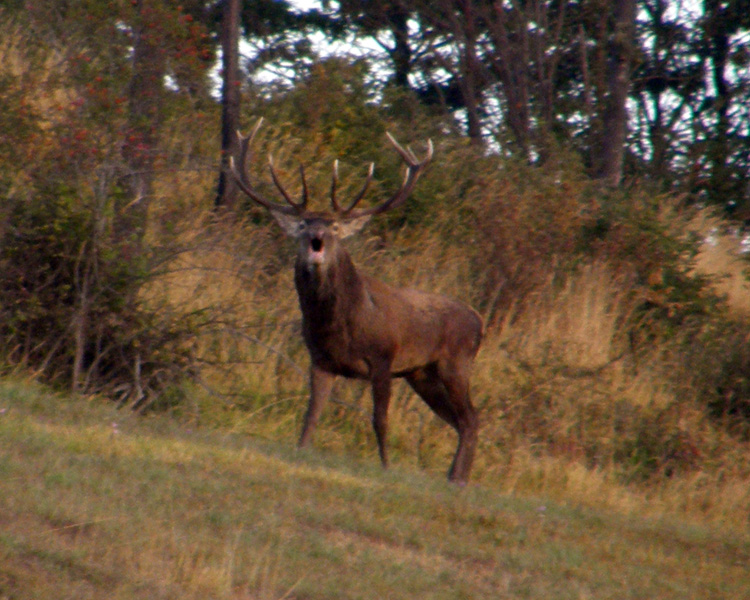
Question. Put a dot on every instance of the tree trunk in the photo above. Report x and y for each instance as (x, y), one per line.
(511, 62)
(470, 69)
(610, 147)
(717, 33)
(144, 116)
(230, 101)
(401, 52)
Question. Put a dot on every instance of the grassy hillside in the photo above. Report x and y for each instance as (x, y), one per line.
(96, 503)
(572, 405)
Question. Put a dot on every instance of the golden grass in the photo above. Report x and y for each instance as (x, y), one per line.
(34, 72)
(578, 324)
(569, 351)
(720, 258)
(562, 400)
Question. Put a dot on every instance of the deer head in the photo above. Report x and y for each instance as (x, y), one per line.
(319, 232)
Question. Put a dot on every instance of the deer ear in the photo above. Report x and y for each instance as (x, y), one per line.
(349, 227)
(289, 223)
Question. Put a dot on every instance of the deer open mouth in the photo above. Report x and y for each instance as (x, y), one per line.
(315, 252)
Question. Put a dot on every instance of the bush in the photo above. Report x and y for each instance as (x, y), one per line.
(715, 369)
(69, 295)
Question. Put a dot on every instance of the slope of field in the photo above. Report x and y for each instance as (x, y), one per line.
(96, 503)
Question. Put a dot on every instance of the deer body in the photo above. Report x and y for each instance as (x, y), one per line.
(350, 320)
(356, 326)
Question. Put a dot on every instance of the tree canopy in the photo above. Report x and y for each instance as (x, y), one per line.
(655, 89)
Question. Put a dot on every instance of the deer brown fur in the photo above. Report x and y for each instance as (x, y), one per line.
(358, 327)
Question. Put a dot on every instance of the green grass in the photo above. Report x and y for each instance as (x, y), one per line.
(96, 503)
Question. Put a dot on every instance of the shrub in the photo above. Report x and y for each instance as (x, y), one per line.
(715, 369)
(69, 295)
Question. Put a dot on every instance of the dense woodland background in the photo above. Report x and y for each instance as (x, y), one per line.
(588, 196)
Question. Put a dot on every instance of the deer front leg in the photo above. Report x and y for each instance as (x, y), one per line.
(321, 384)
(381, 397)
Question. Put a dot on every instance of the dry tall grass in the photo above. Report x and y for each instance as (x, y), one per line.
(567, 410)
(721, 258)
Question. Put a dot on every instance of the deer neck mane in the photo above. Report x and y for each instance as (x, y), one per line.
(327, 294)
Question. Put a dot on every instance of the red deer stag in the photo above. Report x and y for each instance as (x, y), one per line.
(359, 327)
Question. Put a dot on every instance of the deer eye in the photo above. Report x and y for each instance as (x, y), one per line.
(335, 228)
(301, 226)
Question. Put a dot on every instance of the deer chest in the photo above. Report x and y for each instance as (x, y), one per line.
(336, 352)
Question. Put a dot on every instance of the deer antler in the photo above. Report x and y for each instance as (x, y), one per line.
(414, 168)
(240, 175)
(334, 183)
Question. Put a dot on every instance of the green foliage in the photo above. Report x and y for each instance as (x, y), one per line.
(649, 447)
(529, 222)
(74, 262)
(70, 294)
(648, 237)
(715, 368)
(19, 123)
(330, 111)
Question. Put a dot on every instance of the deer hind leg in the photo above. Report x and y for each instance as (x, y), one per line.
(467, 425)
(321, 384)
(446, 392)
(381, 398)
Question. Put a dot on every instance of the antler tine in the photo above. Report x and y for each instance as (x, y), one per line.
(246, 141)
(334, 185)
(241, 176)
(303, 204)
(363, 191)
(298, 207)
(414, 168)
(243, 182)
(409, 157)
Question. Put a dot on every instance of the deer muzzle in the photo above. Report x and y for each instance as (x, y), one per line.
(316, 251)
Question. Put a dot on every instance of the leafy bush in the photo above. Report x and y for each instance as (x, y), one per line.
(69, 294)
(714, 368)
